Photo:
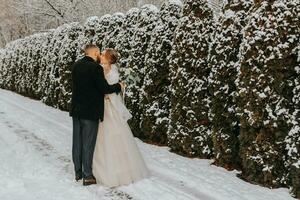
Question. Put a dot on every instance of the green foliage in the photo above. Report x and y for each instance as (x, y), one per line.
(155, 95)
(266, 81)
(223, 62)
(136, 64)
(189, 131)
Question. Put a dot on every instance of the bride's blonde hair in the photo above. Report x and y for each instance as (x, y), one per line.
(112, 55)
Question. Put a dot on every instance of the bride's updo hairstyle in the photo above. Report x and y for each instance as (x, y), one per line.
(111, 55)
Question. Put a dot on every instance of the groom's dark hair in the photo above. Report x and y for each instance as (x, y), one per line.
(89, 46)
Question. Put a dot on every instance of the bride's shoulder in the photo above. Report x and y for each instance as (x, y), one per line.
(113, 72)
(115, 68)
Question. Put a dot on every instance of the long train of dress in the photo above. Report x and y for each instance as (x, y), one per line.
(117, 159)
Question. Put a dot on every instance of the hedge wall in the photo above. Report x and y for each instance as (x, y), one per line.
(189, 128)
(267, 93)
(155, 93)
(225, 88)
(223, 62)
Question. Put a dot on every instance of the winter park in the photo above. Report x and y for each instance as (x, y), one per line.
(150, 99)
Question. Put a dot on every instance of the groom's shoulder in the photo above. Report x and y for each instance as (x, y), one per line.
(79, 62)
(83, 62)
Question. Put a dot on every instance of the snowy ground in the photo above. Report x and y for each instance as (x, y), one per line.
(35, 143)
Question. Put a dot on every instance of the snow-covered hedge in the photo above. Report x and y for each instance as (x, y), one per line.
(189, 127)
(268, 86)
(136, 63)
(223, 62)
(227, 89)
(155, 94)
(112, 36)
(124, 38)
(60, 57)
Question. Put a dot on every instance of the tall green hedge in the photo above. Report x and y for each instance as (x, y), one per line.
(136, 64)
(223, 62)
(155, 95)
(190, 129)
(266, 82)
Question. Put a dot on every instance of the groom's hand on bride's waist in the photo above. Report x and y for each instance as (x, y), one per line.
(106, 97)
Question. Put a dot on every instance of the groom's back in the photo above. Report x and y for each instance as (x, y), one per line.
(86, 98)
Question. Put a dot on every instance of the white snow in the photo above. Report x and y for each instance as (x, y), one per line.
(176, 2)
(35, 159)
(150, 8)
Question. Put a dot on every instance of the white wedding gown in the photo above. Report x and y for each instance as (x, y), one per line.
(117, 160)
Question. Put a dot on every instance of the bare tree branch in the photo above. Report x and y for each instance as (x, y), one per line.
(53, 8)
(24, 17)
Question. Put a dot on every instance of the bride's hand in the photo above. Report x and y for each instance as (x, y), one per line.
(123, 85)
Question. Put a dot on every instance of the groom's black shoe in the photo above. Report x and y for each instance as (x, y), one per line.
(78, 178)
(78, 175)
(89, 181)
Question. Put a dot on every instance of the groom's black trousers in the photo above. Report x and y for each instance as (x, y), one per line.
(84, 140)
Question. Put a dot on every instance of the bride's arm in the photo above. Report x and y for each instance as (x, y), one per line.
(101, 83)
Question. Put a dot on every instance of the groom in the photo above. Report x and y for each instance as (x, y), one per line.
(87, 108)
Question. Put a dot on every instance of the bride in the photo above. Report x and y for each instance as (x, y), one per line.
(117, 160)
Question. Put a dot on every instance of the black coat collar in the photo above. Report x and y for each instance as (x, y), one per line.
(89, 58)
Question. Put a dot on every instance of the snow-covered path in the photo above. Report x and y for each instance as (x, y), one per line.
(35, 143)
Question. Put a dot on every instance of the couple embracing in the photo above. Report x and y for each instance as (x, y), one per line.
(104, 150)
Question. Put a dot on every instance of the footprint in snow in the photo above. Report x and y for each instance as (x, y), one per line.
(121, 195)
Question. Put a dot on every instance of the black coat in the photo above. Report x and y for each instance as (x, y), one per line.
(89, 87)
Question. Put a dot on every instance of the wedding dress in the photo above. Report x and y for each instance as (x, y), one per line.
(117, 160)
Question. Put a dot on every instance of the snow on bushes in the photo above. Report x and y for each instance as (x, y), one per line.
(293, 139)
(136, 63)
(44, 70)
(124, 39)
(28, 61)
(107, 30)
(123, 44)
(5, 64)
(101, 29)
(189, 131)
(155, 96)
(52, 91)
(89, 31)
(111, 39)
(40, 65)
(18, 70)
(20, 65)
(56, 66)
(2, 66)
(67, 56)
(223, 61)
(124, 47)
(266, 82)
